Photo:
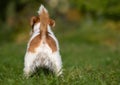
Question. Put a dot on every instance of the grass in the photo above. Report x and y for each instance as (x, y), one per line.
(86, 60)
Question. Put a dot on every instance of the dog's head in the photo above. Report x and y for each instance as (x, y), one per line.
(41, 21)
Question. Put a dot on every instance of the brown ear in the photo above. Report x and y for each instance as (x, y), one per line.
(34, 20)
(52, 23)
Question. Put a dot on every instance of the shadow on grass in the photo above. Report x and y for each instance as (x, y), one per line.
(42, 71)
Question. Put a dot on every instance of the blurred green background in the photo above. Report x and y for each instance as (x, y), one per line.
(88, 32)
(96, 21)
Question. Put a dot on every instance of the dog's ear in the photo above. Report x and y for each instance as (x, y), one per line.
(34, 20)
(51, 22)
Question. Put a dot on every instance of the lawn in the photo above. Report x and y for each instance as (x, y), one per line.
(89, 58)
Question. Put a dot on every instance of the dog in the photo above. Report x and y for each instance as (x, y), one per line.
(43, 47)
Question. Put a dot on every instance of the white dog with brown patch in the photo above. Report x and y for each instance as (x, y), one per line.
(43, 48)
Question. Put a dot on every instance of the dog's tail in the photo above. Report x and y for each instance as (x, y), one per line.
(41, 8)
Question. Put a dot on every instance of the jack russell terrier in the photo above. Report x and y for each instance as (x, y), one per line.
(43, 48)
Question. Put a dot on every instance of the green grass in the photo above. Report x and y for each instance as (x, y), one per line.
(86, 61)
(83, 65)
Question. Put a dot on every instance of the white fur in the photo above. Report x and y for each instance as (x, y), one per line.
(41, 9)
(43, 56)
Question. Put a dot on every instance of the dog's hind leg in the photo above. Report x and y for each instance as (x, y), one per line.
(57, 64)
(29, 65)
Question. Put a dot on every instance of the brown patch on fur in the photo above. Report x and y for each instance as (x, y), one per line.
(51, 22)
(51, 42)
(34, 43)
(34, 20)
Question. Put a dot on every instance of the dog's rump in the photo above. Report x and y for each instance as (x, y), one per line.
(43, 60)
